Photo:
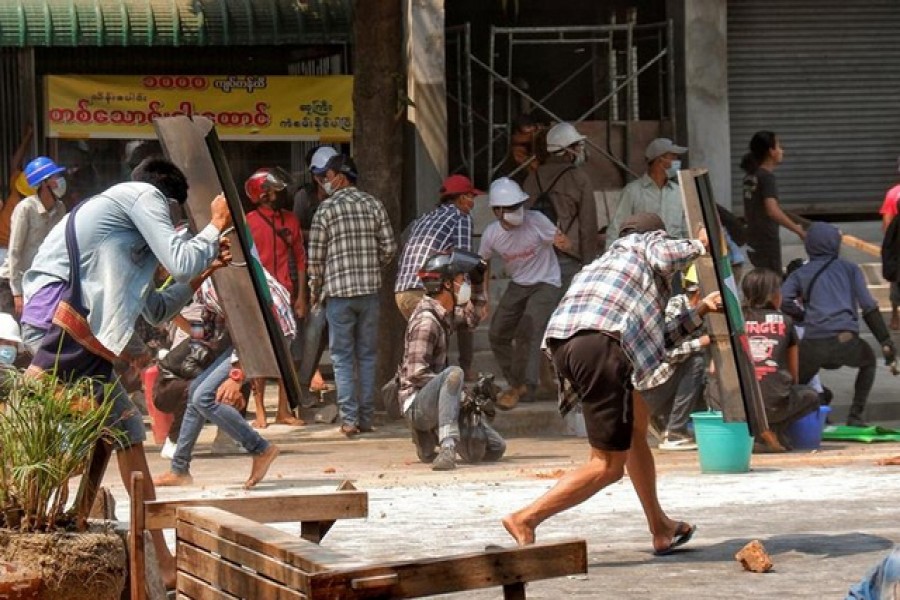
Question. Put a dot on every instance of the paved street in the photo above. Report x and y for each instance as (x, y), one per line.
(824, 516)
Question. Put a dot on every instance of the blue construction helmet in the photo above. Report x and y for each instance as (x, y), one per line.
(40, 169)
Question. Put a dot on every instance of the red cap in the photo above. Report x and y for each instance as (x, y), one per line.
(458, 184)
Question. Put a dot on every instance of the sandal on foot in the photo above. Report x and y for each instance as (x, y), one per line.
(683, 534)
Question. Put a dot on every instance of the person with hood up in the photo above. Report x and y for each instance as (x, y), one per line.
(826, 295)
(606, 337)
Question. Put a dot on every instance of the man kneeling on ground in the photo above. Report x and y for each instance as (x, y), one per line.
(430, 391)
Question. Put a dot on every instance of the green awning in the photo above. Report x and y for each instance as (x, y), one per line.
(173, 22)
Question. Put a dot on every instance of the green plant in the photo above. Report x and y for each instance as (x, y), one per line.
(48, 432)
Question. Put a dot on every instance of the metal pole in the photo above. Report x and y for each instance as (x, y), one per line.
(620, 86)
(490, 115)
(470, 125)
(549, 112)
(670, 31)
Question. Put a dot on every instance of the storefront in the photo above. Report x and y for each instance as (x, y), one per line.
(89, 77)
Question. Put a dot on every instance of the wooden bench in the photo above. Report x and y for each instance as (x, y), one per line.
(316, 513)
(224, 556)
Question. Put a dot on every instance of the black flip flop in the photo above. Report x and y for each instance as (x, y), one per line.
(683, 534)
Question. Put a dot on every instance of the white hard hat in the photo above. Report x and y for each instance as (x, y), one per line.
(506, 192)
(9, 329)
(561, 136)
(320, 158)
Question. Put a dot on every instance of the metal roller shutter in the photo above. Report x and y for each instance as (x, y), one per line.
(825, 76)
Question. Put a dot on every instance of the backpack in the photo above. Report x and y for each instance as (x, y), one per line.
(543, 203)
(890, 251)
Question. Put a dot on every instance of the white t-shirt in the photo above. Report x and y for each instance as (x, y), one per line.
(526, 250)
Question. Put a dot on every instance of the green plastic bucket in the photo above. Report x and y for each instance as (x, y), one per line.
(722, 447)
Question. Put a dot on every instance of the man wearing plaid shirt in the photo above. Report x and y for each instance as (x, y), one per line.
(447, 227)
(351, 240)
(608, 329)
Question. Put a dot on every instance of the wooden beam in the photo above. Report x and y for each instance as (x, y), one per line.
(188, 586)
(847, 240)
(328, 506)
(136, 559)
(315, 531)
(504, 567)
(231, 577)
(306, 556)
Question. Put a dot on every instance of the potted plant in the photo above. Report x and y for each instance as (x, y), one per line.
(48, 432)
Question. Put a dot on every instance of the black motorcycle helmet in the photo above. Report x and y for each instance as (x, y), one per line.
(444, 266)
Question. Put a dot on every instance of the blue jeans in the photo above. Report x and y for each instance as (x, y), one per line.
(202, 405)
(352, 338)
(881, 582)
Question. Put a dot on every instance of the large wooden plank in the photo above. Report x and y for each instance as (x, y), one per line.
(184, 141)
(739, 391)
(328, 506)
(299, 553)
(264, 564)
(187, 586)
(230, 577)
(456, 573)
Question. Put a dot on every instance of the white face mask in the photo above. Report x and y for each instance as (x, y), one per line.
(580, 157)
(60, 190)
(672, 172)
(328, 188)
(464, 294)
(8, 355)
(515, 218)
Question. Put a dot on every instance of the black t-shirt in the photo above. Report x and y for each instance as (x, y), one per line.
(762, 231)
(770, 333)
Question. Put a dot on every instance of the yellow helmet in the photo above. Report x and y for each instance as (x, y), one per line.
(22, 186)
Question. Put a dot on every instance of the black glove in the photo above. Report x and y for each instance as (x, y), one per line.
(476, 275)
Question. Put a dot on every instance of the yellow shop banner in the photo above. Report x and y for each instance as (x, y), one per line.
(243, 107)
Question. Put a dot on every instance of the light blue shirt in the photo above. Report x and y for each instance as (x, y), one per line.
(123, 234)
(643, 195)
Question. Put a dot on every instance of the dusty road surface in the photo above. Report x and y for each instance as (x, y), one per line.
(825, 517)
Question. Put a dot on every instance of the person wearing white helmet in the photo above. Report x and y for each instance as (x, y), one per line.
(562, 185)
(31, 221)
(525, 240)
(656, 191)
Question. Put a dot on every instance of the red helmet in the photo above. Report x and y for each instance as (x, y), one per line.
(261, 182)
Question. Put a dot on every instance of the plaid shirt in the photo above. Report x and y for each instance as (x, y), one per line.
(444, 228)
(677, 305)
(623, 293)
(281, 303)
(425, 348)
(350, 240)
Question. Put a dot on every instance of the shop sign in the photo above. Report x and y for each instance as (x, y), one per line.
(243, 107)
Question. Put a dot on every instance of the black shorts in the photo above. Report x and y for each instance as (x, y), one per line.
(600, 372)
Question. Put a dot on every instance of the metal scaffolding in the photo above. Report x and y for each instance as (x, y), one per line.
(612, 62)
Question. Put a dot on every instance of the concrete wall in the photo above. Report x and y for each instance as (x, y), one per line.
(702, 56)
(426, 87)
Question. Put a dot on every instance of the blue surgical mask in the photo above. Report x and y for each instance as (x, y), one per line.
(8, 355)
(672, 172)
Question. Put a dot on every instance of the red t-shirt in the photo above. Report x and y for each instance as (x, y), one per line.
(277, 236)
(889, 207)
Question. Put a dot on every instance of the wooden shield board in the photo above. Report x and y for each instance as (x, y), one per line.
(739, 391)
(192, 144)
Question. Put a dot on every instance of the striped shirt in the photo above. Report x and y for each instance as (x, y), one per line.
(444, 228)
(350, 241)
(624, 293)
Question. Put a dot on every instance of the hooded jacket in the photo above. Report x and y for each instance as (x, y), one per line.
(837, 295)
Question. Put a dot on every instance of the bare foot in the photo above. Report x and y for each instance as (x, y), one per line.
(318, 382)
(260, 423)
(520, 530)
(170, 479)
(289, 419)
(261, 464)
(893, 461)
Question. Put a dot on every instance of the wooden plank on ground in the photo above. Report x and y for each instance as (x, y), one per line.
(314, 531)
(187, 586)
(307, 556)
(329, 506)
(456, 573)
(230, 577)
